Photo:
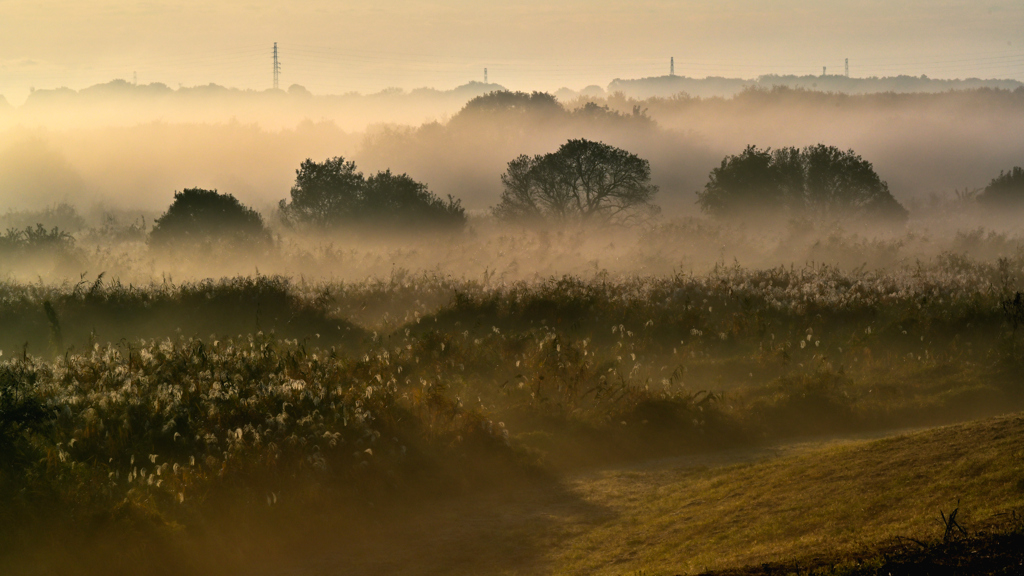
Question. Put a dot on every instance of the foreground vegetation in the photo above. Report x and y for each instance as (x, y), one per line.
(167, 408)
(816, 508)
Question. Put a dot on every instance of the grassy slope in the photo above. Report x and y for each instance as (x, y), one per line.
(836, 499)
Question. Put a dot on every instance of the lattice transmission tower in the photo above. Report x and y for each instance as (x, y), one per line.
(277, 67)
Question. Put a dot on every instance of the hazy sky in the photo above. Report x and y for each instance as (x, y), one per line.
(336, 46)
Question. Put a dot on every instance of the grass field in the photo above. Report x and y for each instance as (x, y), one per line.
(571, 425)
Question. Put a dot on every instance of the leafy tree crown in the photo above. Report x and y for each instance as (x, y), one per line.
(324, 193)
(819, 180)
(505, 101)
(333, 193)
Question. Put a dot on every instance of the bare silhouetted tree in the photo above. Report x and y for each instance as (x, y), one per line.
(583, 181)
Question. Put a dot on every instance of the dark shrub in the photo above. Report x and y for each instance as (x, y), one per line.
(819, 181)
(204, 216)
(332, 194)
(1005, 190)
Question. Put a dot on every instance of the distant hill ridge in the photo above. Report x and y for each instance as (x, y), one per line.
(640, 88)
(666, 86)
(121, 89)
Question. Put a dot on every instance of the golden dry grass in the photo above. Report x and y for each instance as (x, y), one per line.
(829, 497)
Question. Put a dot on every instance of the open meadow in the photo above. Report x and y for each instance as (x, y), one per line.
(588, 369)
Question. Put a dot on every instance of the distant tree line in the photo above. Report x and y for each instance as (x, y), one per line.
(582, 182)
(717, 86)
(327, 196)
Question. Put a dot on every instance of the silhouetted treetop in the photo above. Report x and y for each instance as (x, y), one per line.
(594, 112)
(583, 181)
(324, 193)
(504, 101)
(333, 193)
(749, 181)
(398, 199)
(198, 215)
(1005, 190)
(819, 181)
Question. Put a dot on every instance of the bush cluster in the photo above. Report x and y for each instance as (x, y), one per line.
(332, 194)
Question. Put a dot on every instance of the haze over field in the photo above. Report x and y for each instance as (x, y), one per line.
(582, 314)
(354, 72)
(119, 146)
